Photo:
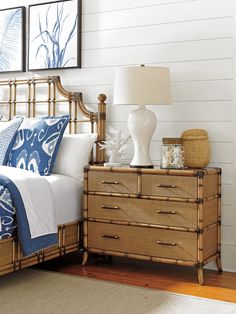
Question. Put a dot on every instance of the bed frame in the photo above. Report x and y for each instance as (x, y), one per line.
(31, 94)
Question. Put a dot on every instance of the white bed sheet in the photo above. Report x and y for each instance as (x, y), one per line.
(68, 197)
(37, 197)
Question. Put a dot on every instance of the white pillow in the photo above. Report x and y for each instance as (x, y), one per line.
(73, 154)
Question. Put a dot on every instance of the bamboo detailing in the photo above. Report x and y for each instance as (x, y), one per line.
(32, 97)
(182, 172)
(101, 127)
(27, 97)
(218, 257)
(170, 216)
(142, 257)
(11, 258)
(153, 226)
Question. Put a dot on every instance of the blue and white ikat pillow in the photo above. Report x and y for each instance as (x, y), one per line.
(7, 137)
(37, 143)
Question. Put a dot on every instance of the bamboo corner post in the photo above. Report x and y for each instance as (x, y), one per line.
(101, 127)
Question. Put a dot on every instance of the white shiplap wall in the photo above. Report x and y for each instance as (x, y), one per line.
(195, 38)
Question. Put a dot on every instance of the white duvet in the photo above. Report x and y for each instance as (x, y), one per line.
(38, 200)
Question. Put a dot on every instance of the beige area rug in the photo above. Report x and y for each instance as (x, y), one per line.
(36, 291)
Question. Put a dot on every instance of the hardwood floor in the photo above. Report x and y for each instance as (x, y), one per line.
(178, 279)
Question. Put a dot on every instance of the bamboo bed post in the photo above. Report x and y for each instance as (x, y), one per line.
(101, 127)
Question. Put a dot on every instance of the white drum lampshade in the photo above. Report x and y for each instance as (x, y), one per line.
(142, 85)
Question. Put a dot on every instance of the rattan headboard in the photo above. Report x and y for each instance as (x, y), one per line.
(33, 97)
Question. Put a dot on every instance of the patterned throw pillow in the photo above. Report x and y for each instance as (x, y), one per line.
(7, 137)
(37, 143)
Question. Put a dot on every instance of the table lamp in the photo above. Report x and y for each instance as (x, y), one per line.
(142, 85)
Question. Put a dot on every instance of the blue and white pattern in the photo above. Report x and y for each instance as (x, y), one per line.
(36, 146)
(11, 209)
(7, 138)
(7, 214)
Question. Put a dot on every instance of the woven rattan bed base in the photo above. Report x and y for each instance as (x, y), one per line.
(11, 258)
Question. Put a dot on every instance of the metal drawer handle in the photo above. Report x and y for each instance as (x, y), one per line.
(115, 237)
(110, 207)
(169, 186)
(166, 212)
(166, 243)
(110, 182)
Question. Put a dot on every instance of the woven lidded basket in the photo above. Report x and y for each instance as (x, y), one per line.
(196, 148)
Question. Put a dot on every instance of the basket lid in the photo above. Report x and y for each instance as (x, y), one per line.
(191, 134)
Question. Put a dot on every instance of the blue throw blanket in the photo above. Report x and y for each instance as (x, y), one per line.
(11, 207)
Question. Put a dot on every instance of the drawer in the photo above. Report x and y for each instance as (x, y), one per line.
(113, 182)
(177, 214)
(169, 186)
(143, 241)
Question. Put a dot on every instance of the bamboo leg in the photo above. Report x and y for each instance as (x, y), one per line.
(218, 262)
(200, 275)
(218, 256)
(85, 257)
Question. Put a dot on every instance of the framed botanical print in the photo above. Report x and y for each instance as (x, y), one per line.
(12, 39)
(54, 35)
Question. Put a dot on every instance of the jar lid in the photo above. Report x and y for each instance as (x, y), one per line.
(172, 140)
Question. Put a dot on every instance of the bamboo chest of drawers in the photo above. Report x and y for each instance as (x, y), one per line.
(168, 216)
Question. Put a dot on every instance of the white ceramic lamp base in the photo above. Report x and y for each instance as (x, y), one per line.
(142, 124)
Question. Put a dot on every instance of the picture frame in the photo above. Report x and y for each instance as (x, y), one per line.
(54, 35)
(12, 39)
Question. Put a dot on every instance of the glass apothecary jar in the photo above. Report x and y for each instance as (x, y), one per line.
(172, 153)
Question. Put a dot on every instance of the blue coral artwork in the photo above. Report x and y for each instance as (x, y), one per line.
(54, 35)
(12, 40)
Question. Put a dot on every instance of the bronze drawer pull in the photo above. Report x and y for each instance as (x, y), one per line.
(171, 186)
(110, 207)
(166, 243)
(110, 182)
(115, 237)
(166, 212)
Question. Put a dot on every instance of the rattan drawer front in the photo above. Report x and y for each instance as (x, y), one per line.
(175, 214)
(113, 182)
(169, 186)
(143, 241)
